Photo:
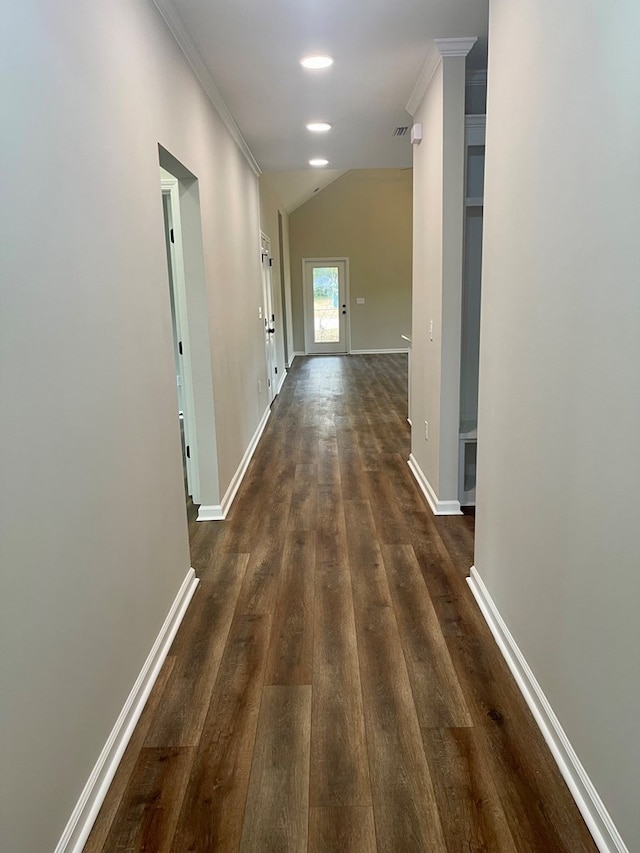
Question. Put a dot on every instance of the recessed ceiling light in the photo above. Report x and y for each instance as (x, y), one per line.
(318, 161)
(316, 61)
(319, 126)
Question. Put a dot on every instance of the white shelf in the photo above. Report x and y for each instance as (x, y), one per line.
(469, 430)
(474, 202)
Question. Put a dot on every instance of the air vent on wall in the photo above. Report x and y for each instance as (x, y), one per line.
(400, 131)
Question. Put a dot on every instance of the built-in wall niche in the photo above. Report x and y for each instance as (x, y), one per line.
(476, 92)
(475, 175)
(470, 320)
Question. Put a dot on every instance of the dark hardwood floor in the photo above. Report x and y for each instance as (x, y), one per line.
(333, 686)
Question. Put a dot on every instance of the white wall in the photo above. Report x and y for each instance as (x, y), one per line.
(427, 279)
(438, 210)
(559, 456)
(94, 541)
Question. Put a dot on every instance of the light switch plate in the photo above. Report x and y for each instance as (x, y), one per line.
(360, 300)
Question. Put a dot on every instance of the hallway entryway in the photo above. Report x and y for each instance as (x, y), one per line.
(333, 686)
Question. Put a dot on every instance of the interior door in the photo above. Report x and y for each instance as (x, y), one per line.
(326, 305)
(269, 319)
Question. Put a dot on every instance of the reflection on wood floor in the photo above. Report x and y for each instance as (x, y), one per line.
(333, 686)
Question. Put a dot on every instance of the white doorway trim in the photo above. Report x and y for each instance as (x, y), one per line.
(186, 397)
(196, 332)
(309, 347)
(270, 321)
(285, 294)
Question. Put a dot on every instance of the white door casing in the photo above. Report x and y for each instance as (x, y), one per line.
(269, 318)
(170, 189)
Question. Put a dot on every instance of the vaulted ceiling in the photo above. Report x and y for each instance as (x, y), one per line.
(252, 49)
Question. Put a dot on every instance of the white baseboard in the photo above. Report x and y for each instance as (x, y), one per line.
(293, 355)
(218, 512)
(377, 351)
(210, 512)
(281, 383)
(83, 817)
(593, 810)
(438, 507)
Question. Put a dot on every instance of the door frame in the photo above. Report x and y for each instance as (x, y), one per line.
(197, 319)
(269, 317)
(170, 189)
(306, 306)
(285, 303)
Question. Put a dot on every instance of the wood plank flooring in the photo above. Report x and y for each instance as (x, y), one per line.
(333, 687)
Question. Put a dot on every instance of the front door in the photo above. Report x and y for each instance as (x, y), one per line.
(326, 305)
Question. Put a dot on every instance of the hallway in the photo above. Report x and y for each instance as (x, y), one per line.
(333, 686)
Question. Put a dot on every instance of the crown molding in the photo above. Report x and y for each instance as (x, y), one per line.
(438, 49)
(455, 47)
(187, 45)
(425, 77)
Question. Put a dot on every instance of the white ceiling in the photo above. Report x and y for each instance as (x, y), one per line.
(252, 49)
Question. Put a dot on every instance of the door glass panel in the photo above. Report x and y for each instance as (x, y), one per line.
(326, 305)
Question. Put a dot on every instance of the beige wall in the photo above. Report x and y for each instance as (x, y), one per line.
(559, 460)
(366, 216)
(94, 540)
(270, 205)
